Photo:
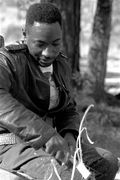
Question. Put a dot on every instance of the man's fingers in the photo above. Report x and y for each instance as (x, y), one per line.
(72, 149)
(49, 149)
(63, 156)
(60, 156)
(67, 157)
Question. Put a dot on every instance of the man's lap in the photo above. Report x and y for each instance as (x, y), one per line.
(37, 164)
(100, 161)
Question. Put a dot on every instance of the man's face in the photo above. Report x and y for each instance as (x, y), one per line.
(44, 42)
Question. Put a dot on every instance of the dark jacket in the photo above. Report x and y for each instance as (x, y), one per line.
(24, 97)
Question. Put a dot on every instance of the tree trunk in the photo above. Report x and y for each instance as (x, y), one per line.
(71, 29)
(97, 56)
(2, 43)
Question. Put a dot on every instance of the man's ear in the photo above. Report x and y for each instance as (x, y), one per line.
(24, 32)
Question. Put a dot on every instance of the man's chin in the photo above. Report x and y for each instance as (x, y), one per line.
(45, 63)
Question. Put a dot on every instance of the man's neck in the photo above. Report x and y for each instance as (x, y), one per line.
(47, 69)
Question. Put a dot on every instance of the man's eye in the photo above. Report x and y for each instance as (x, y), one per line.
(40, 45)
(55, 44)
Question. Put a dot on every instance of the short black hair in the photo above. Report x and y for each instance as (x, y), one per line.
(43, 13)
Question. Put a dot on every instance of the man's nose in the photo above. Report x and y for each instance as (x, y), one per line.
(48, 51)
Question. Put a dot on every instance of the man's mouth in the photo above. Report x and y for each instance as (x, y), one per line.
(44, 62)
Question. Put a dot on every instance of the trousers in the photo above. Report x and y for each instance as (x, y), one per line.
(37, 164)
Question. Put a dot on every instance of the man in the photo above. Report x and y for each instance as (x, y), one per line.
(38, 117)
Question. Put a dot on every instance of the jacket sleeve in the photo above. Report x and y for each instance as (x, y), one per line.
(68, 118)
(15, 117)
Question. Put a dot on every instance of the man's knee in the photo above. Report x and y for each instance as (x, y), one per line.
(113, 161)
(100, 161)
(111, 166)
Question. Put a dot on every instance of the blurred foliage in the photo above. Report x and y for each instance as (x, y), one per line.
(24, 4)
(12, 18)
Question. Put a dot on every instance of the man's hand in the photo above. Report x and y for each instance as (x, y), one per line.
(58, 148)
(71, 142)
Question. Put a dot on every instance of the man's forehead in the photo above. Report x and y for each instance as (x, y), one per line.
(45, 29)
(37, 24)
